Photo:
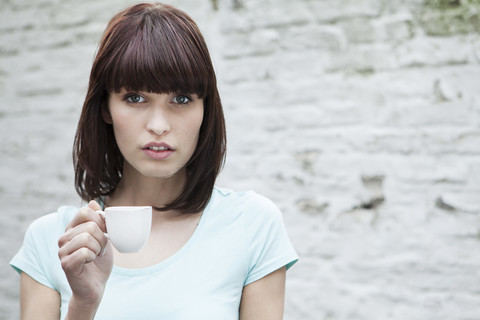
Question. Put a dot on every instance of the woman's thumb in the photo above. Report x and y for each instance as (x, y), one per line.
(94, 205)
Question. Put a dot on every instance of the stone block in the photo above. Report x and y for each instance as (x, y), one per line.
(314, 37)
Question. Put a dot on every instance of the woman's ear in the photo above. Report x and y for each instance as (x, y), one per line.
(107, 117)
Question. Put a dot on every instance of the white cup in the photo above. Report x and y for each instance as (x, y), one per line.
(128, 228)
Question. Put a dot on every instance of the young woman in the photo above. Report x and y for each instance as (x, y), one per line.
(152, 133)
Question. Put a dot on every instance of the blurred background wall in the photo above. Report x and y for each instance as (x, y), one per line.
(359, 118)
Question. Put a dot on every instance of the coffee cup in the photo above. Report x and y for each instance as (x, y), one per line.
(128, 228)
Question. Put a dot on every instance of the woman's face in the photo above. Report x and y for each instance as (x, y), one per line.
(156, 133)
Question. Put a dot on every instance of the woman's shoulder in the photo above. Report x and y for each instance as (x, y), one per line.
(55, 221)
(249, 203)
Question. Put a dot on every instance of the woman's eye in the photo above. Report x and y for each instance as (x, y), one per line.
(135, 98)
(181, 99)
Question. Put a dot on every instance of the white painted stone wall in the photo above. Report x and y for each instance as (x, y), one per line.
(360, 119)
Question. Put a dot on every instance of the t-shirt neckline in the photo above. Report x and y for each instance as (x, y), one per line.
(168, 261)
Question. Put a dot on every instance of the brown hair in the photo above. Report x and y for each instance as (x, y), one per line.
(154, 48)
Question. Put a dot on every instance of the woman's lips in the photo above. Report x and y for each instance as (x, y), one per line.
(158, 151)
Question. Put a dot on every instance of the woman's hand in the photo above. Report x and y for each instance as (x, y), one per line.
(87, 260)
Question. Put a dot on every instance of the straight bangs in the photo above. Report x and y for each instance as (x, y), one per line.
(155, 55)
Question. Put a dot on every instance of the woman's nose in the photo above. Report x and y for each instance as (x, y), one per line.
(157, 122)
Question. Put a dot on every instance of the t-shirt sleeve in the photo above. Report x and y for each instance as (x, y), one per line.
(28, 258)
(269, 247)
(38, 255)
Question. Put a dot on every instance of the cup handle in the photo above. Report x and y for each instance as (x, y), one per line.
(102, 214)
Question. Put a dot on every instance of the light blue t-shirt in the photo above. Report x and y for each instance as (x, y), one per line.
(240, 239)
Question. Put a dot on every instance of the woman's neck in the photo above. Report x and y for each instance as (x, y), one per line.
(135, 189)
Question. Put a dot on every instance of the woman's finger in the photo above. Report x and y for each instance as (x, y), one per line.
(77, 260)
(89, 227)
(88, 213)
(94, 205)
(81, 240)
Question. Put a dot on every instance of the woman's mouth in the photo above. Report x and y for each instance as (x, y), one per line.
(158, 151)
(158, 148)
